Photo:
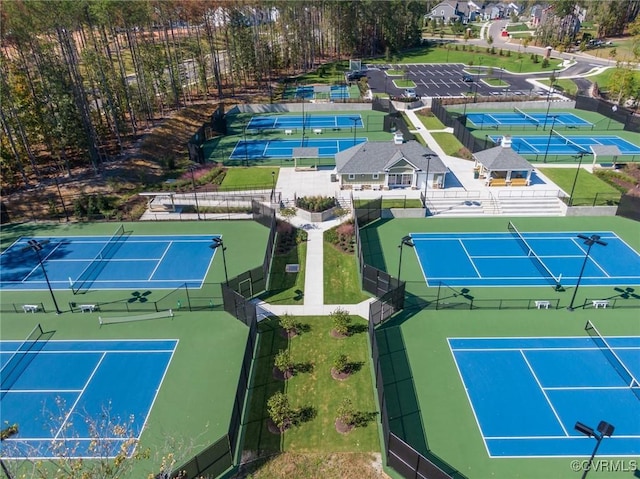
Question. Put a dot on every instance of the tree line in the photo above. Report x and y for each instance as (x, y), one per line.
(77, 77)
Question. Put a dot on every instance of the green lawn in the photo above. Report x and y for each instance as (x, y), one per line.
(448, 142)
(242, 178)
(287, 288)
(429, 120)
(587, 186)
(312, 391)
(404, 84)
(472, 55)
(341, 278)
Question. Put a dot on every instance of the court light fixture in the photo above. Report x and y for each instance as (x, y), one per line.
(405, 241)
(589, 241)
(38, 246)
(575, 179)
(217, 243)
(604, 430)
(273, 185)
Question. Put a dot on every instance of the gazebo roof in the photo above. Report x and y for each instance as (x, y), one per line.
(605, 150)
(305, 152)
(502, 158)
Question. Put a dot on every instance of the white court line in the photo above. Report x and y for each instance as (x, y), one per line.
(144, 423)
(469, 258)
(580, 245)
(166, 250)
(466, 391)
(555, 413)
(42, 391)
(75, 403)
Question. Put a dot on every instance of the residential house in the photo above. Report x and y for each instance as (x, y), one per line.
(449, 11)
(379, 165)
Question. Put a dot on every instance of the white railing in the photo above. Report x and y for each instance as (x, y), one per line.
(532, 193)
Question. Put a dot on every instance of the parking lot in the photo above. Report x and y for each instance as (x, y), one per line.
(442, 80)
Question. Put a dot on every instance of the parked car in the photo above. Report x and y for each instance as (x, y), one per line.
(353, 76)
(467, 78)
(409, 93)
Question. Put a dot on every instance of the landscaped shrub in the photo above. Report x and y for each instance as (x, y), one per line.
(315, 204)
(342, 237)
(91, 205)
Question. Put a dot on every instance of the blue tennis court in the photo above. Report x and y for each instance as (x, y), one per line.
(527, 119)
(263, 122)
(532, 259)
(103, 262)
(528, 393)
(327, 147)
(309, 92)
(70, 387)
(566, 145)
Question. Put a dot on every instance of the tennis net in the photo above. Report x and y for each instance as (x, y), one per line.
(543, 268)
(613, 358)
(526, 116)
(98, 262)
(566, 141)
(21, 358)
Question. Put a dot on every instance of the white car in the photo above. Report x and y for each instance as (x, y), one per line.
(409, 93)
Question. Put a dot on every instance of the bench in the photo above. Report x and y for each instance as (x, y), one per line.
(88, 308)
(288, 132)
(519, 182)
(543, 304)
(357, 187)
(317, 131)
(497, 182)
(600, 303)
(30, 308)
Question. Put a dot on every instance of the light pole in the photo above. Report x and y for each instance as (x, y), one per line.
(64, 207)
(217, 243)
(193, 184)
(273, 185)
(406, 241)
(575, 180)
(553, 79)
(36, 246)
(546, 151)
(426, 181)
(355, 122)
(589, 241)
(604, 429)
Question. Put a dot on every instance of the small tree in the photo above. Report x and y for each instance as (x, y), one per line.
(283, 361)
(346, 412)
(341, 363)
(279, 410)
(288, 322)
(341, 321)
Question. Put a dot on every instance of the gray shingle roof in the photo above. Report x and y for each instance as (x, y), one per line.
(605, 150)
(378, 156)
(305, 152)
(502, 158)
